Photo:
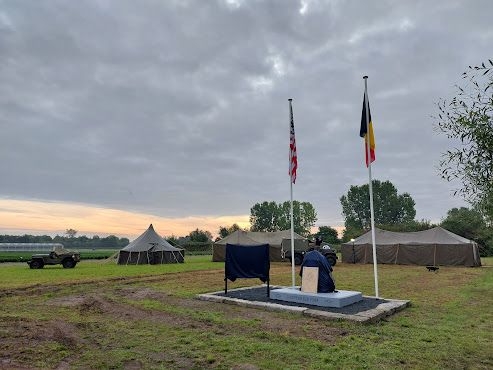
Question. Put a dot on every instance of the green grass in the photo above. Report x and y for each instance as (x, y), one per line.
(84, 254)
(19, 275)
(100, 315)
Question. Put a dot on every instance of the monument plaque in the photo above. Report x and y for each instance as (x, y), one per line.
(309, 280)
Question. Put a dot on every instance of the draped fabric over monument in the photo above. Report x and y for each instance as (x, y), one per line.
(436, 247)
(325, 281)
(250, 261)
(274, 239)
(150, 248)
(247, 262)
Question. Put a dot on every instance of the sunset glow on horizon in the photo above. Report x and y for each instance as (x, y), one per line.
(18, 217)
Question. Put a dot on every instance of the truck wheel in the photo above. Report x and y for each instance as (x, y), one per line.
(68, 263)
(36, 264)
(332, 260)
(298, 259)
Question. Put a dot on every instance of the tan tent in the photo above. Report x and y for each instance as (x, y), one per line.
(433, 247)
(150, 248)
(274, 239)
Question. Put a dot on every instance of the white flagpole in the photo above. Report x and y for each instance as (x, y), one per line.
(367, 141)
(293, 278)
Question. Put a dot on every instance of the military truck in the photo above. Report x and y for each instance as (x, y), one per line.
(328, 253)
(68, 259)
(301, 246)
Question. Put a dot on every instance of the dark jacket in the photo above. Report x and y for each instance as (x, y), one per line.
(316, 259)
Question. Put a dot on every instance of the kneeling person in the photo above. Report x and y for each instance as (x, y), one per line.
(326, 282)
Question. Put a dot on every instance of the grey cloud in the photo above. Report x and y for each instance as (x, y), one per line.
(180, 108)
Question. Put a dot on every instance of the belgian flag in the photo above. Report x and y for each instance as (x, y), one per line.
(367, 134)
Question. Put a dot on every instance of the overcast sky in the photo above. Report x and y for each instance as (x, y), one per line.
(177, 111)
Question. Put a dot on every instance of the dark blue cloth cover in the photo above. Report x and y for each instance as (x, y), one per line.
(317, 259)
(250, 261)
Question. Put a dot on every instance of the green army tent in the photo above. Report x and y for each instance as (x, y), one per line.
(436, 247)
(150, 248)
(279, 242)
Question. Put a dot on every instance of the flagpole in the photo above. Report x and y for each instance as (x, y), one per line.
(293, 278)
(370, 186)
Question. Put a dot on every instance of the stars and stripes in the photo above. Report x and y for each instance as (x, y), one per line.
(293, 158)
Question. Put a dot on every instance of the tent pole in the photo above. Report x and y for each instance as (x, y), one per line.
(174, 256)
(435, 256)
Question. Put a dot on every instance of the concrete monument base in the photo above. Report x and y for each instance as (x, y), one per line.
(338, 299)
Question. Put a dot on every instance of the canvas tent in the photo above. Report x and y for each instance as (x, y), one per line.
(275, 239)
(150, 248)
(433, 247)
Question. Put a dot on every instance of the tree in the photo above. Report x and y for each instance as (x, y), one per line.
(264, 217)
(464, 222)
(71, 233)
(389, 207)
(468, 118)
(409, 226)
(470, 224)
(485, 241)
(173, 240)
(328, 234)
(304, 217)
(224, 231)
(110, 242)
(200, 236)
(351, 232)
(270, 216)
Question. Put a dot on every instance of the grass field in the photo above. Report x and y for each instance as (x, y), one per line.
(84, 254)
(100, 315)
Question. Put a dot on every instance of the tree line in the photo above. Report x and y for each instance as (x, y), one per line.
(70, 241)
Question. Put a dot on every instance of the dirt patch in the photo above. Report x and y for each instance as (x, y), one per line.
(259, 320)
(36, 332)
(67, 301)
(135, 293)
(245, 367)
(132, 365)
(20, 336)
(235, 316)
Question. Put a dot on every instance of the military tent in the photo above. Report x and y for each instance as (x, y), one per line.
(150, 248)
(433, 247)
(277, 240)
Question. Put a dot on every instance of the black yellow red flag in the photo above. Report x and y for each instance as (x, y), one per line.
(366, 131)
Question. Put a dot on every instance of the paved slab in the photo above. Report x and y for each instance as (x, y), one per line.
(341, 298)
(368, 310)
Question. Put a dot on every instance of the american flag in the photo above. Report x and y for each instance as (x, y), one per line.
(293, 158)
